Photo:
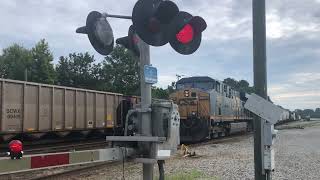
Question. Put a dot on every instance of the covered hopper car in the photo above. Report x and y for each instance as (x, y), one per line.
(38, 109)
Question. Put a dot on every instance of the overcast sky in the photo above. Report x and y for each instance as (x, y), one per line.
(293, 40)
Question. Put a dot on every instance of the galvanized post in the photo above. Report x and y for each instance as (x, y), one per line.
(260, 81)
(146, 128)
(26, 74)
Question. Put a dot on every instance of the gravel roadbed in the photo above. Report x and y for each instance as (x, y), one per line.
(297, 156)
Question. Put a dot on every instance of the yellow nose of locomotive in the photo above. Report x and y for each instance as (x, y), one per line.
(191, 102)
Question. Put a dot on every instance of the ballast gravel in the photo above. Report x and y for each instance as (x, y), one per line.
(297, 157)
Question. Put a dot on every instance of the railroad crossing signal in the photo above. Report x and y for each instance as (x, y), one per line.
(186, 32)
(99, 33)
(158, 22)
(155, 22)
(130, 42)
(152, 18)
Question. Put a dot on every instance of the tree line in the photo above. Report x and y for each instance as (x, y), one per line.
(241, 86)
(308, 113)
(118, 72)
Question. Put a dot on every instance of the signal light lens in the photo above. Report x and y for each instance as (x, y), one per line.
(15, 146)
(186, 34)
(154, 25)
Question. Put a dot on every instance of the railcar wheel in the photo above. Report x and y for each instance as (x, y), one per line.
(215, 135)
(222, 134)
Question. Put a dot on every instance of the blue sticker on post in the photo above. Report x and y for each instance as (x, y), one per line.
(150, 74)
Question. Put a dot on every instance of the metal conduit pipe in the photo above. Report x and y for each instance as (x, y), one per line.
(161, 169)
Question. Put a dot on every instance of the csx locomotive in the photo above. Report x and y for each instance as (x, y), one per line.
(208, 109)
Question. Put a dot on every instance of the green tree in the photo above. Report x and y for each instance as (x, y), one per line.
(2, 68)
(14, 62)
(316, 113)
(160, 93)
(171, 88)
(299, 111)
(242, 85)
(79, 70)
(307, 112)
(120, 72)
(64, 72)
(231, 82)
(42, 69)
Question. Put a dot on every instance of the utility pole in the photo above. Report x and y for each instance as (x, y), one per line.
(146, 124)
(260, 82)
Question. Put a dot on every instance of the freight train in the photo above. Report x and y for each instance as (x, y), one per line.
(209, 108)
(32, 110)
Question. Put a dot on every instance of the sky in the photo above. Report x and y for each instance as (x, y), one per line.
(293, 40)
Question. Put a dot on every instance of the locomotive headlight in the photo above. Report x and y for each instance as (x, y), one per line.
(186, 93)
(193, 113)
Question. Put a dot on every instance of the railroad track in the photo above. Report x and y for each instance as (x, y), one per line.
(57, 172)
(61, 172)
(220, 139)
(75, 171)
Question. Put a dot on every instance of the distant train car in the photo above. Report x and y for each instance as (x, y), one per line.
(208, 108)
(38, 109)
(288, 116)
(285, 116)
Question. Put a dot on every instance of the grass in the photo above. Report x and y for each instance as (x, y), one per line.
(190, 175)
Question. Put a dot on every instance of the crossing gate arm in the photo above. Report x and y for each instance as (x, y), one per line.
(44, 161)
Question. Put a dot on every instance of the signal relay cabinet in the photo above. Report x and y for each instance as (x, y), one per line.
(165, 137)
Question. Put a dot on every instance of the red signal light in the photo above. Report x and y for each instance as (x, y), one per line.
(15, 149)
(15, 146)
(185, 35)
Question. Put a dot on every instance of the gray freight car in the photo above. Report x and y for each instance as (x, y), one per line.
(36, 109)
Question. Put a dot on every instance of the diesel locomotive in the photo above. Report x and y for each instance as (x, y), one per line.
(209, 108)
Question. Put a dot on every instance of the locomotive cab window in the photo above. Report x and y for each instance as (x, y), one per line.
(204, 85)
(193, 94)
(180, 86)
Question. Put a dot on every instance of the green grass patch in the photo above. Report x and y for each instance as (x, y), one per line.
(190, 175)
